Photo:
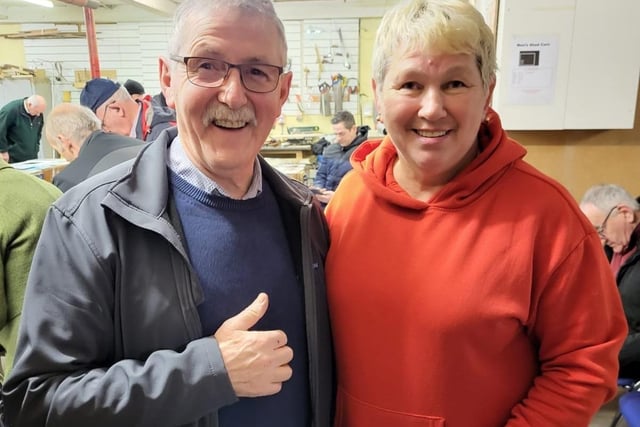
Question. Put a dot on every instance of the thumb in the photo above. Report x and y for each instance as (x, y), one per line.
(248, 317)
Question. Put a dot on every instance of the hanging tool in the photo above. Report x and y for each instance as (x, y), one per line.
(319, 61)
(347, 64)
(325, 105)
(338, 83)
(351, 88)
(306, 76)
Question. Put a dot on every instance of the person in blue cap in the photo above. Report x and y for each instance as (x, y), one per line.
(121, 114)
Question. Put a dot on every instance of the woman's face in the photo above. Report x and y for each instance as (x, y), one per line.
(432, 105)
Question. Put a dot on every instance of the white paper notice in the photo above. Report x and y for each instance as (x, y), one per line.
(533, 70)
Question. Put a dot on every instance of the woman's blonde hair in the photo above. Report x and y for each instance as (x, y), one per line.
(450, 26)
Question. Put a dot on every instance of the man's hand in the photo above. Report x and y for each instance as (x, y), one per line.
(257, 361)
(325, 196)
(5, 156)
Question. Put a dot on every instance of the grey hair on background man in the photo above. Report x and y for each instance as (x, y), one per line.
(182, 20)
(71, 120)
(606, 196)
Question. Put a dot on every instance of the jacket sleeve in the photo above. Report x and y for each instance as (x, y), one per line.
(579, 326)
(320, 180)
(66, 371)
(7, 117)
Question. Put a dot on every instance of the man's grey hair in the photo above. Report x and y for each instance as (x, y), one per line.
(607, 196)
(188, 9)
(74, 121)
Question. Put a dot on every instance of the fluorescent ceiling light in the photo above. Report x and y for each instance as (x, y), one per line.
(43, 3)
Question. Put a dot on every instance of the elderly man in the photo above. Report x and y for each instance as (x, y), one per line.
(74, 132)
(192, 288)
(616, 216)
(21, 124)
(121, 114)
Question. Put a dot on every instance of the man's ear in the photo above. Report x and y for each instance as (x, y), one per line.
(285, 86)
(164, 71)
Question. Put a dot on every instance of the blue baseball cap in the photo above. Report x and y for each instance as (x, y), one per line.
(96, 92)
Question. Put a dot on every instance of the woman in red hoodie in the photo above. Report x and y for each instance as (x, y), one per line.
(466, 288)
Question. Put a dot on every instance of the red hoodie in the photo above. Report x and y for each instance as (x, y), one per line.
(490, 305)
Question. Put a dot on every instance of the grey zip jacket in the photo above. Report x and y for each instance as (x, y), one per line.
(110, 333)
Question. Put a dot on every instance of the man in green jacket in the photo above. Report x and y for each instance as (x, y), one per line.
(24, 200)
(21, 124)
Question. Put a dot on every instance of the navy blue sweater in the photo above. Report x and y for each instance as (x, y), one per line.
(239, 248)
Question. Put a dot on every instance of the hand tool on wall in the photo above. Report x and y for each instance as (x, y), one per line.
(300, 105)
(306, 76)
(347, 64)
(337, 85)
(325, 104)
(351, 88)
(319, 61)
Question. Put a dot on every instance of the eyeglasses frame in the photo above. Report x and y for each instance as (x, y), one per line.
(185, 60)
(600, 229)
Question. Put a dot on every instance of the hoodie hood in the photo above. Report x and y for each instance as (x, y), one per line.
(374, 161)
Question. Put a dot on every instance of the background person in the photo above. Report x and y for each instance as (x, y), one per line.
(75, 133)
(21, 124)
(193, 278)
(469, 282)
(135, 89)
(24, 200)
(121, 114)
(335, 157)
(616, 215)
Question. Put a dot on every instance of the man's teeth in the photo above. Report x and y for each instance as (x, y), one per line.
(434, 134)
(229, 123)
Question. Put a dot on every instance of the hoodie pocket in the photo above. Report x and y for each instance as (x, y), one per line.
(352, 412)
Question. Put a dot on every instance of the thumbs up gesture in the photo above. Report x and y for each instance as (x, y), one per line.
(257, 361)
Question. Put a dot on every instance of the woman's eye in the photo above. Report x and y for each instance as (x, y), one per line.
(455, 84)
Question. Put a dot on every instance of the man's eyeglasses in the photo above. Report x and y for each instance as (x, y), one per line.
(600, 228)
(104, 113)
(209, 72)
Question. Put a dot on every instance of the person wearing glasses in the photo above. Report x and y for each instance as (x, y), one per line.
(465, 287)
(75, 133)
(615, 214)
(186, 287)
(124, 115)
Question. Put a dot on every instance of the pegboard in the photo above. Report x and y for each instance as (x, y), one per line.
(324, 57)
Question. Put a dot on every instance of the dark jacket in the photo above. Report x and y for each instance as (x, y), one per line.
(99, 152)
(628, 280)
(19, 132)
(154, 118)
(120, 341)
(335, 161)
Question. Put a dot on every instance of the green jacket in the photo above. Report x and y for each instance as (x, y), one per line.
(19, 132)
(24, 200)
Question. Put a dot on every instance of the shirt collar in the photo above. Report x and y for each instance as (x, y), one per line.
(179, 163)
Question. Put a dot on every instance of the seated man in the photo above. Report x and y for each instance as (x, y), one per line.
(335, 157)
(616, 216)
(74, 132)
(120, 113)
